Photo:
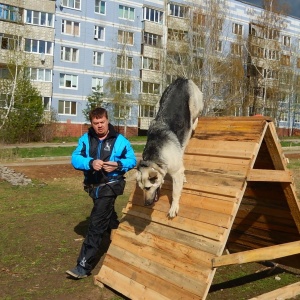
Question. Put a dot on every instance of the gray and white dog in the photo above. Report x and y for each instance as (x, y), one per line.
(168, 135)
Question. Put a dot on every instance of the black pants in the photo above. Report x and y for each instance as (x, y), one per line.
(103, 216)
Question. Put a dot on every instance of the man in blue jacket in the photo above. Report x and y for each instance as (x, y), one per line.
(104, 156)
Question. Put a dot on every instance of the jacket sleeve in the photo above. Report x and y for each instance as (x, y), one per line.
(127, 159)
(80, 157)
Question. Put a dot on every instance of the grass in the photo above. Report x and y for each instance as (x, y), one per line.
(7, 154)
(38, 238)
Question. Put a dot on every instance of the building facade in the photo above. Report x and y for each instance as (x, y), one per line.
(245, 60)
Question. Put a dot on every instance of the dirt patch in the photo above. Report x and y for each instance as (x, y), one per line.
(48, 172)
(222, 288)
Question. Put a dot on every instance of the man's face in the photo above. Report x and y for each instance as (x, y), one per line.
(100, 126)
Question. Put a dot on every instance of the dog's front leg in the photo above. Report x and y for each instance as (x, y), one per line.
(177, 189)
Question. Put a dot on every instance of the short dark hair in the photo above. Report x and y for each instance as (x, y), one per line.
(98, 112)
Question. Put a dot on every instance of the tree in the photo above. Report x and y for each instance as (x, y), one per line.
(24, 118)
(93, 100)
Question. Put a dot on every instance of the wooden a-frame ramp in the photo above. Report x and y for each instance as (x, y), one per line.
(239, 195)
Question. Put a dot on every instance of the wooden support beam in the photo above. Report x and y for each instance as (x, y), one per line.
(267, 253)
(269, 175)
(286, 292)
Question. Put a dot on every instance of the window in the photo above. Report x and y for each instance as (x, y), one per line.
(179, 11)
(66, 107)
(124, 62)
(46, 103)
(283, 117)
(71, 3)
(152, 39)
(98, 33)
(285, 60)
(153, 15)
(298, 80)
(9, 13)
(122, 112)
(177, 35)
(98, 58)
(271, 54)
(4, 73)
(126, 12)
(218, 46)
(298, 62)
(271, 74)
(147, 111)
(69, 54)
(237, 29)
(123, 87)
(97, 84)
(125, 37)
(39, 18)
(70, 27)
(36, 46)
(150, 63)
(198, 19)
(68, 81)
(150, 88)
(36, 74)
(286, 40)
(9, 42)
(236, 49)
(100, 7)
(198, 41)
(220, 24)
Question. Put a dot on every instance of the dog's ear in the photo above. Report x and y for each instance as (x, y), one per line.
(153, 174)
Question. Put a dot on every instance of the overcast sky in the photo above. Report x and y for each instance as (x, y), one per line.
(294, 6)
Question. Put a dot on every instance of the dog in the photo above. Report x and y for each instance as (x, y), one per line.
(168, 134)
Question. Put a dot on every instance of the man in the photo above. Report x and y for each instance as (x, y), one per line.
(104, 156)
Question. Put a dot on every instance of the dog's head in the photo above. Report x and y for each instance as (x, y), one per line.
(150, 178)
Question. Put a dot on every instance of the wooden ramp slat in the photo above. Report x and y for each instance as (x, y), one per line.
(239, 194)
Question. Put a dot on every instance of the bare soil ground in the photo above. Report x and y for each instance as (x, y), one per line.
(219, 290)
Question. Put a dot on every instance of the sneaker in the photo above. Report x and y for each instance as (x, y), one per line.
(78, 272)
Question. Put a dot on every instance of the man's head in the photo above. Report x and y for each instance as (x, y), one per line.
(99, 121)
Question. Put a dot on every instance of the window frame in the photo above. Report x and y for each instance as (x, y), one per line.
(73, 81)
(71, 106)
(65, 26)
(73, 52)
(66, 3)
(49, 18)
(126, 12)
(98, 4)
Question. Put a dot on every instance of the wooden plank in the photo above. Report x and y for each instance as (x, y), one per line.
(215, 164)
(139, 226)
(175, 251)
(219, 152)
(243, 149)
(269, 175)
(193, 213)
(213, 189)
(147, 281)
(190, 284)
(198, 201)
(126, 286)
(267, 253)
(286, 292)
(204, 229)
(163, 255)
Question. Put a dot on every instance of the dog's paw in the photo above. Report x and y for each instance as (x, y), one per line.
(173, 211)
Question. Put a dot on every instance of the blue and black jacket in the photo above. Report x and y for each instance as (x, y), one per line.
(115, 147)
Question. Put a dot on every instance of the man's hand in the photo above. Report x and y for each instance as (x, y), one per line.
(110, 166)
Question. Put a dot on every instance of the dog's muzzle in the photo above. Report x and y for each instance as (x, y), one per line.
(150, 201)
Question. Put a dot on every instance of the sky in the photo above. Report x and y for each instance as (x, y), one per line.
(294, 6)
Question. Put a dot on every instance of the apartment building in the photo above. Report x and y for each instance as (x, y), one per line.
(27, 39)
(131, 50)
